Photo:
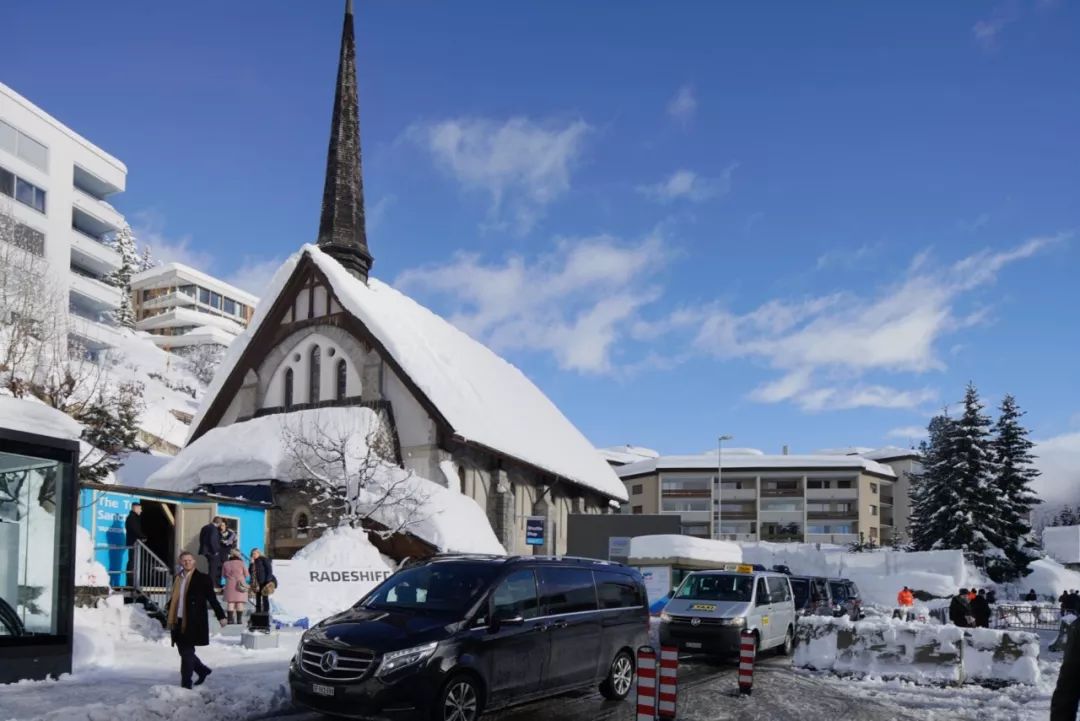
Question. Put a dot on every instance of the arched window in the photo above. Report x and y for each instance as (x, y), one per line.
(341, 379)
(316, 374)
(288, 388)
(301, 525)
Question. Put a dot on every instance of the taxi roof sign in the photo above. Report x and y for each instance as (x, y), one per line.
(738, 567)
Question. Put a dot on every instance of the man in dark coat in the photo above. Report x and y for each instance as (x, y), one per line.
(980, 610)
(1066, 698)
(133, 533)
(188, 626)
(960, 609)
(210, 548)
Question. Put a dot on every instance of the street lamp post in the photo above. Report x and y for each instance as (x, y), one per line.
(719, 495)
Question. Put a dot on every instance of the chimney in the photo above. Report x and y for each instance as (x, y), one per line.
(784, 450)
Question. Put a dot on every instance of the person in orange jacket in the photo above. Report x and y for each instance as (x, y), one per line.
(906, 599)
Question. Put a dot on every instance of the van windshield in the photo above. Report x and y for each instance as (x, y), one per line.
(801, 588)
(442, 588)
(717, 587)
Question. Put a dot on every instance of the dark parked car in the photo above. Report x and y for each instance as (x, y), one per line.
(454, 637)
(811, 595)
(845, 598)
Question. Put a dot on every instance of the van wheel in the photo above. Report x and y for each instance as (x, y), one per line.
(619, 679)
(789, 644)
(459, 700)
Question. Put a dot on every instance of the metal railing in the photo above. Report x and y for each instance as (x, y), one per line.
(1032, 616)
(144, 576)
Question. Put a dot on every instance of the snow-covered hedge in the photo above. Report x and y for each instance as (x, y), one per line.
(918, 652)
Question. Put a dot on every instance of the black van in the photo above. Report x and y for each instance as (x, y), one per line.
(456, 636)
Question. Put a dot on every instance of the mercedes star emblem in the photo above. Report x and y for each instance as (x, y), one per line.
(328, 662)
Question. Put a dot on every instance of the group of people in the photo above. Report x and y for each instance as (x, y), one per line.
(971, 608)
(1070, 602)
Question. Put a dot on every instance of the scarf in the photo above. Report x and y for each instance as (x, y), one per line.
(175, 599)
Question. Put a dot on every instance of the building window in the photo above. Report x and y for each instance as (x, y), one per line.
(636, 509)
(229, 306)
(301, 525)
(843, 484)
(638, 489)
(7, 183)
(873, 510)
(342, 379)
(24, 192)
(18, 143)
(873, 532)
(28, 239)
(315, 374)
(204, 296)
(288, 388)
(215, 300)
(873, 488)
(816, 484)
(188, 290)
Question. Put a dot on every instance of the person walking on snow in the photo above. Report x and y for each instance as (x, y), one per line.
(191, 595)
(236, 588)
(906, 599)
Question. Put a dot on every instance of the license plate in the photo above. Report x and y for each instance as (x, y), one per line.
(703, 607)
(693, 644)
(320, 690)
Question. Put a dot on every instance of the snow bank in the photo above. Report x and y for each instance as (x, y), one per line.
(172, 703)
(485, 399)
(88, 571)
(917, 652)
(1049, 578)
(697, 549)
(339, 549)
(103, 633)
(33, 416)
(879, 575)
(254, 450)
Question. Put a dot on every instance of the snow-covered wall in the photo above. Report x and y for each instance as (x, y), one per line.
(918, 652)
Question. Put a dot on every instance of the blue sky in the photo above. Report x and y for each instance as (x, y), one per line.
(799, 223)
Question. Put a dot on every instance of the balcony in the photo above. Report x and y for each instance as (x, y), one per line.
(170, 300)
(96, 295)
(780, 516)
(100, 214)
(781, 493)
(832, 516)
(831, 494)
(93, 185)
(738, 494)
(741, 537)
(738, 515)
(92, 333)
(91, 253)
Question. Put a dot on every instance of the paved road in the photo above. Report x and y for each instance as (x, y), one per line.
(708, 692)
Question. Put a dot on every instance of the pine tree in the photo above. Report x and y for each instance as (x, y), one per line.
(1014, 474)
(147, 261)
(1065, 517)
(954, 500)
(111, 426)
(121, 278)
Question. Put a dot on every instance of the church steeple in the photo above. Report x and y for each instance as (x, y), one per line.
(341, 227)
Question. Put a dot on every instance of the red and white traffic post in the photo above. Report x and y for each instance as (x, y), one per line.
(669, 669)
(646, 684)
(747, 650)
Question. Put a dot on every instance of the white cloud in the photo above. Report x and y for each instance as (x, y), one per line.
(149, 229)
(254, 275)
(689, 185)
(375, 213)
(1059, 461)
(825, 345)
(575, 302)
(683, 106)
(910, 433)
(847, 259)
(521, 164)
(987, 31)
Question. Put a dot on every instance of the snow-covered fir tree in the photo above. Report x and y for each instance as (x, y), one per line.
(130, 263)
(1065, 517)
(955, 502)
(1015, 472)
(147, 261)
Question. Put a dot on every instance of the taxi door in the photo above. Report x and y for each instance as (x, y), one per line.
(761, 613)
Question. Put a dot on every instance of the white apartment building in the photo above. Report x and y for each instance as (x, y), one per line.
(183, 307)
(55, 184)
(829, 497)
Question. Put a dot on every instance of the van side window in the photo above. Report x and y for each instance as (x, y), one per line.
(516, 597)
(778, 589)
(566, 590)
(762, 594)
(616, 590)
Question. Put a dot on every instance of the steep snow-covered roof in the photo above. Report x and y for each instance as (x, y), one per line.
(484, 399)
(32, 416)
(736, 461)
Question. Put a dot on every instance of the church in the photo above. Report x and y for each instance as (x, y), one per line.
(328, 337)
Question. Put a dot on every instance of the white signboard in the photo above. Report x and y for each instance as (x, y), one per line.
(618, 548)
(315, 590)
(657, 581)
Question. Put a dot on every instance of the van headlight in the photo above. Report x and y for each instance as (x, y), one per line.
(396, 660)
(737, 621)
(665, 616)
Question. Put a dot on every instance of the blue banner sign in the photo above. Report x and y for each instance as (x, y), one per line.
(534, 530)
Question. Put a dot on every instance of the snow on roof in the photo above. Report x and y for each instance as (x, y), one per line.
(676, 546)
(169, 272)
(485, 399)
(138, 467)
(254, 450)
(889, 453)
(33, 416)
(626, 454)
(736, 461)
